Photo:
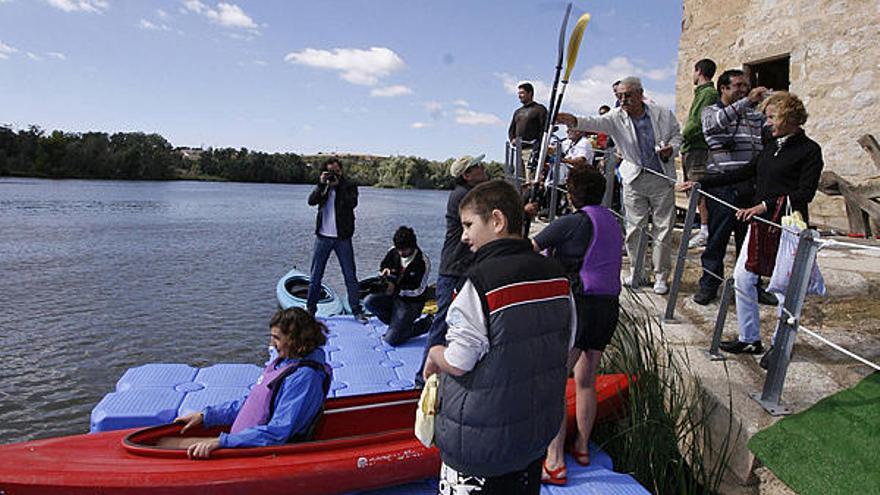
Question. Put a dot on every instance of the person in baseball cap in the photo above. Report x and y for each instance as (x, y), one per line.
(456, 257)
(465, 164)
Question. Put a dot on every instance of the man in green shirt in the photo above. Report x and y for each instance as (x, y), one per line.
(694, 151)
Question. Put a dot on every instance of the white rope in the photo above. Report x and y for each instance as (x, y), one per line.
(839, 348)
(833, 243)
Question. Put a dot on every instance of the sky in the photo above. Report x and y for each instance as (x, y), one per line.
(435, 78)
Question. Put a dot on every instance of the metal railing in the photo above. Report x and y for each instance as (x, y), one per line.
(809, 243)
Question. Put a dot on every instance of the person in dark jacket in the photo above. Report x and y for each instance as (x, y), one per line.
(405, 269)
(455, 258)
(787, 169)
(336, 199)
(503, 372)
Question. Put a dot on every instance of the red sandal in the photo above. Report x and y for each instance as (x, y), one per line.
(582, 458)
(558, 476)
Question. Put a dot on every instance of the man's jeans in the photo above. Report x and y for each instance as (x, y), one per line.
(747, 313)
(722, 221)
(398, 314)
(437, 334)
(345, 255)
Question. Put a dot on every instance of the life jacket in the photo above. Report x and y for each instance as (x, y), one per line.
(600, 268)
(260, 403)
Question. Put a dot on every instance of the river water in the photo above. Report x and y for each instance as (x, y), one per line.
(100, 276)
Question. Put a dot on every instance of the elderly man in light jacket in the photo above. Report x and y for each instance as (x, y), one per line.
(648, 136)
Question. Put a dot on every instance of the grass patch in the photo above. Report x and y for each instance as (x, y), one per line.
(665, 440)
(829, 448)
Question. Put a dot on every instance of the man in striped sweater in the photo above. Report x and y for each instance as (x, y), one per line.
(732, 128)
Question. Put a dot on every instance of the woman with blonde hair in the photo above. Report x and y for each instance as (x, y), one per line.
(787, 170)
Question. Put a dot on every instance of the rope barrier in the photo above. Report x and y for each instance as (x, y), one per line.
(791, 318)
(833, 243)
(838, 348)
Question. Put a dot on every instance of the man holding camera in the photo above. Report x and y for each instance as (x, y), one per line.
(336, 199)
(404, 271)
(732, 129)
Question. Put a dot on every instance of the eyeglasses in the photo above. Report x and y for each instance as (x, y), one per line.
(628, 94)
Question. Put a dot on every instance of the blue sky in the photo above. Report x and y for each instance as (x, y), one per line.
(429, 78)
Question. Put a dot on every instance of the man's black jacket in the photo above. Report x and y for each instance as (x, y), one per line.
(346, 202)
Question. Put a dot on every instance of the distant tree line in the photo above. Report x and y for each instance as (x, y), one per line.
(32, 152)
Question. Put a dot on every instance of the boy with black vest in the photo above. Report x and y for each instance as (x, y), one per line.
(503, 370)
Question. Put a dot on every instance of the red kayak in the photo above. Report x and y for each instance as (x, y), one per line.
(361, 443)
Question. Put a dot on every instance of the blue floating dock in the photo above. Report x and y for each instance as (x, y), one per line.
(362, 362)
(598, 478)
(156, 393)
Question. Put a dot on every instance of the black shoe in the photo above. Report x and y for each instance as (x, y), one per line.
(766, 298)
(767, 358)
(705, 296)
(422, 325)
(737, 347)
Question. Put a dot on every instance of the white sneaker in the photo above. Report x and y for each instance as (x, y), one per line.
(660, 287)
(698, 240)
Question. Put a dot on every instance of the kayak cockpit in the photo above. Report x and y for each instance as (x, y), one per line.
(346, 422)
(298, 287)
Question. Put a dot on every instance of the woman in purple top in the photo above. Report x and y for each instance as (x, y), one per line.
(588, 243)
(283, 403)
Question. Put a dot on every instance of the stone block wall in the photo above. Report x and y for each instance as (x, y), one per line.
(834, 68)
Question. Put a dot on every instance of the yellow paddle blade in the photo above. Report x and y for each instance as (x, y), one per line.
(574, 44)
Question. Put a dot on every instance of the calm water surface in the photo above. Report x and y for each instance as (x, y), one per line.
(100, 276)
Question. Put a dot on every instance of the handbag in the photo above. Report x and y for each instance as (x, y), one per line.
(427, 408)
(764, 243)
(788, 246)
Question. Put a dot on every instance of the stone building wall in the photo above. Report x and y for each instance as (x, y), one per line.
(834, 68)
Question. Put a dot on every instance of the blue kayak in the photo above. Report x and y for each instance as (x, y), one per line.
(293, 288)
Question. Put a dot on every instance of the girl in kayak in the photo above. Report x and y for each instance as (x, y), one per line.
(283, 403)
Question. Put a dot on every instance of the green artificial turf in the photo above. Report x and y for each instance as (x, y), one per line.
(832, 447)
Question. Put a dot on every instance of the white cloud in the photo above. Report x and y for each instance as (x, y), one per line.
(470, 117)
(6, 50)
(261, 63)
(162, 14)
(57, 55)
(592, 89)
(94, 6)
(419, 125)
(357, 66)
(391, 91)
(226, 14)
(461, 103)
(34, 56)
(145, 24)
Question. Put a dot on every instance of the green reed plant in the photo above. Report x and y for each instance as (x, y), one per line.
(665, 440)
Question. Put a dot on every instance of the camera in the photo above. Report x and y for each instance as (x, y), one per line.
(728, 144)
(331, 176)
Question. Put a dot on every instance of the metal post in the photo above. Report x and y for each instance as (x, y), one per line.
(610, 177)
(788, 325)
(554, 192)
(726, 294)
(639, 262)
(682, 253)
(517, 165)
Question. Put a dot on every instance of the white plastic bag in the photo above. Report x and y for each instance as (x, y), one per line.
(788, 243)
(424, 428)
